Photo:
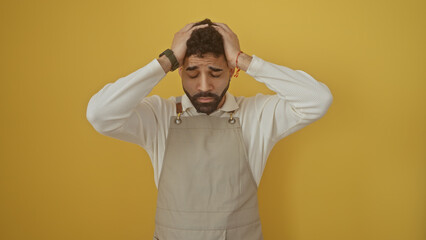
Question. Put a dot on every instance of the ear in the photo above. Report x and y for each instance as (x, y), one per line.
(180, 71)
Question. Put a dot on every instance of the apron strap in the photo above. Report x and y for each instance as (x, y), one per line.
(179, 104)
(178, 110)
(231, 119)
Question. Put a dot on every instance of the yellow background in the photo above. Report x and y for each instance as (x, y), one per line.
(356, 174)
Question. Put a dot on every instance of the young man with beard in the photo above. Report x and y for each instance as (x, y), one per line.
(207, 147)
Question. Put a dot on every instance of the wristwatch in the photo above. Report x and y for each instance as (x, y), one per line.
(171, 56)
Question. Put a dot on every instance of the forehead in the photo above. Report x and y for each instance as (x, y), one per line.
(208, 59)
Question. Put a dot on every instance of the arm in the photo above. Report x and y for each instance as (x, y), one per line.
(122, 109)
(300, 99)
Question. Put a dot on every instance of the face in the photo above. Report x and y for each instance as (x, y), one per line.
(205, 81)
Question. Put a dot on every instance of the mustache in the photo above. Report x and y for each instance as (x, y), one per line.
(205, 94)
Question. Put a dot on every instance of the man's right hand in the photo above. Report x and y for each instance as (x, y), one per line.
(179, 45)
(180, 38)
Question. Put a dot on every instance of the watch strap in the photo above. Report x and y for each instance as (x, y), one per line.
(171, 56)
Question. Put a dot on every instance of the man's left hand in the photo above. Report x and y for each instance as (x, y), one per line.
(232, 47)
(230, 43)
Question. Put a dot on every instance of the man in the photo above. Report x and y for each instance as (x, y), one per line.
(208, 148)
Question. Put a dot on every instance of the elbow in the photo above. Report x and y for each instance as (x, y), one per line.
(325, 100)
(94, 118)
(98, 120)
(318, 107)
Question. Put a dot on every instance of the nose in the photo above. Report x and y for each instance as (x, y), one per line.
(204, 84)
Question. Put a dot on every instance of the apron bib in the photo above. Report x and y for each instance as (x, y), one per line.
(206, 189)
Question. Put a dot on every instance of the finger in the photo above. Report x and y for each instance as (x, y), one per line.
(187, 27)
(199, 26)
(225, 27)
(195, 28)
(221, 30)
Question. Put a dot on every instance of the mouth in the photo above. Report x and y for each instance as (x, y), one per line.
(205, 99)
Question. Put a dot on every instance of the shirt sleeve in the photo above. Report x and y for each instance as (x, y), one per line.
(122, 109)
(299, 100)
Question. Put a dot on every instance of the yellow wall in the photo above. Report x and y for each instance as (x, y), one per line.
(357, 173)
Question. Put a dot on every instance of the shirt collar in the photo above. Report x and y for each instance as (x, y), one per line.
(229, 105)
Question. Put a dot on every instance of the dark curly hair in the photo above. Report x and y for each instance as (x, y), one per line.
(205, 40)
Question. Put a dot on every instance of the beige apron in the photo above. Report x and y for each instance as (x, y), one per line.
(206, 189)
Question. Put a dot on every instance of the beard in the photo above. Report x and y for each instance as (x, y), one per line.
(208, 107)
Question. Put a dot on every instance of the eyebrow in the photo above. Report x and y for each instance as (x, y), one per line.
(214, 69)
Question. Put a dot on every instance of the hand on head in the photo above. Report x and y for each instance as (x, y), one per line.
(230, 41)
(180, 38)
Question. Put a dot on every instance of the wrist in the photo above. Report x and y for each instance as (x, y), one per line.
(232, 60)
(165, 63)
(172, 59)
(244, 61)
(178, 55)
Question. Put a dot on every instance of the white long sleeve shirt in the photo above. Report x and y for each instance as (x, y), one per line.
(122, 110)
